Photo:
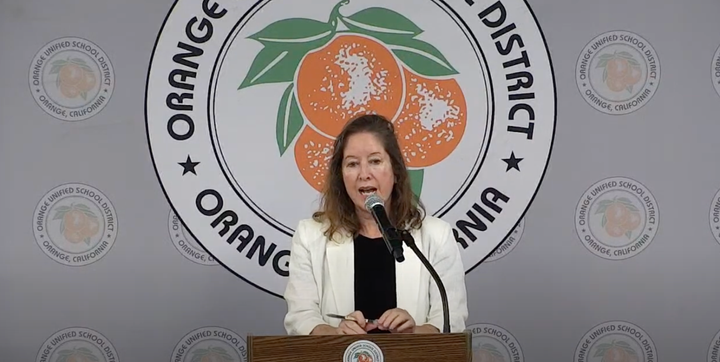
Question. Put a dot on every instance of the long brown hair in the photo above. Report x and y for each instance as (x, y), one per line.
(338, 210)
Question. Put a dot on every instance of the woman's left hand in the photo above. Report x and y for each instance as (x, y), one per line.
(396, 321)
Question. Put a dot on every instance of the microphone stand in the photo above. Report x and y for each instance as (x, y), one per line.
(410, 242)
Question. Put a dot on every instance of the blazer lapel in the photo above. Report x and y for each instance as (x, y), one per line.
(408, 277)
(341, 266)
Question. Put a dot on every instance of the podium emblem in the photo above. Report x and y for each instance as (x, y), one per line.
(363, 351)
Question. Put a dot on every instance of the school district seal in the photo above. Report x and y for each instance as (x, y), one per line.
(494, 343)
(617, 218)
(618, 72)
(77, 344)
(716, 71)
(185, 244)
(210, 344)
(616, 341)
(713, 354)
(363, 351)
(245, 99)
(71, 79)
(75, 224)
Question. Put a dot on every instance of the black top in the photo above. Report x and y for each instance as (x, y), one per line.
(374, 278)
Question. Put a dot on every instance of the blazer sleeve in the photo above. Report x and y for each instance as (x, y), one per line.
(301, 293)
(448, 264)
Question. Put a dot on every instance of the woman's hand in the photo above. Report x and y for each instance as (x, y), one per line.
(358, 326)
(396, 321)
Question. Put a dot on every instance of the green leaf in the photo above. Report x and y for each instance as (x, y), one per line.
(289, 119)
(63, 357)
(488, 347)
(294, 30)
(604, 220)
(197, 358)
(600, 351)
(277, 63)
(602, 63)
(423, 58)
(423, 63)
(62, 225)
(628, 234)
(382, 21)
(416, 181)
(90, 214)
(55, 69)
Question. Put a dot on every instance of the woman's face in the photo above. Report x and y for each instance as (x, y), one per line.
(367, 169)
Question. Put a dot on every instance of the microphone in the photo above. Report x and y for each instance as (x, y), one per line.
(390, 234)
(394, 239)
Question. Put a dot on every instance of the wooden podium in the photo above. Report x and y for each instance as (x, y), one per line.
(448, 347)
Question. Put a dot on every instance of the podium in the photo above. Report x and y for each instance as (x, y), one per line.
(447, 347)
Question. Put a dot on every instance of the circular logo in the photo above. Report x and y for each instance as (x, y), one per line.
(616, 341)
(716, 71)
(71, 79)
(210, 344)
(75, 224)
(77, 344)
(363, 351)
(242, 150)
(186, 244)
(617, 218)
(714, 350)
(618, 72)
(494, 343)
(509, 244)
(715, 217)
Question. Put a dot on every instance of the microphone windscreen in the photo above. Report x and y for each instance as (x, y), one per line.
(372, 201)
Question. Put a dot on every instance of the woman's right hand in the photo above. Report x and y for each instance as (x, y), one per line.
(359, 326)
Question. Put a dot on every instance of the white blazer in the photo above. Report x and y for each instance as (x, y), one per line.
(321, 279)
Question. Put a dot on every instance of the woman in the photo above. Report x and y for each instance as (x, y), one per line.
(339, 263)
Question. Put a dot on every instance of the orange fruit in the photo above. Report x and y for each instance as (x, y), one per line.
(432, 121)
(213, 357)
(632, 76)
(482, 355)
(615, 84)
(618, 68)
(71, 74)
(615, 354)
(349, 76)
(312, 156)
(616, 213)
(77, 357)
(631, 221)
